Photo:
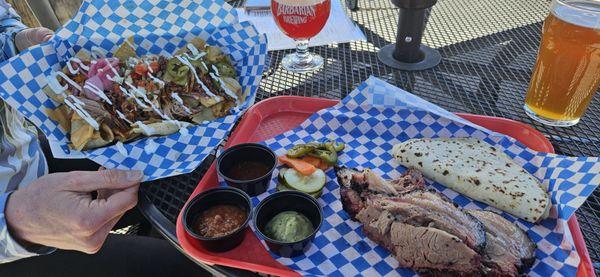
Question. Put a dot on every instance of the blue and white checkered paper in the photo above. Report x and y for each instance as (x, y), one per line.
(158, 27)
(377, 116)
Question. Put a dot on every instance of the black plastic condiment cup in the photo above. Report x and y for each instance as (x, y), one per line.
(209, 198)
(288, 201)
(247, 152)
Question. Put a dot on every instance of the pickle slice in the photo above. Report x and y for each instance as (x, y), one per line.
(308, 184)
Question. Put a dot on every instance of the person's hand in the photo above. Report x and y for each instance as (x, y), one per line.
(57, 210)
(32, 36)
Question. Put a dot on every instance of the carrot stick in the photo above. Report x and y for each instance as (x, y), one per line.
(323, 166)
(312, 160)
(299, 165)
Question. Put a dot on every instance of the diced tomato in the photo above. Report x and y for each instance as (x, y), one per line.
(141, 69)
(154, 65)
(141, 84)
(150, 86)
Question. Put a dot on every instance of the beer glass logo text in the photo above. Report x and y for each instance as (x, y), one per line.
(295, 14)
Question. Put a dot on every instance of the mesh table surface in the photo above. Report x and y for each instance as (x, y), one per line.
(488, 49)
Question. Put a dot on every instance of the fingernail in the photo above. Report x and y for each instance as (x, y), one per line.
(134, 175)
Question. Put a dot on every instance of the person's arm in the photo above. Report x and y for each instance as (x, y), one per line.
(10, 25)
(16, 36)
(58, 211)
(11, 249)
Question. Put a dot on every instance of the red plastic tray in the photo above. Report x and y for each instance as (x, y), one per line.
(276, 115)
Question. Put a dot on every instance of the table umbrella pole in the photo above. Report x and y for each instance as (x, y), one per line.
(408, 53)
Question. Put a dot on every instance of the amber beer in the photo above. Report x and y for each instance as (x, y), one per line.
(567, 71)
(301, 19)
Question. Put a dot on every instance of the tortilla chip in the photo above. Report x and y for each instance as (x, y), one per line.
(59, 98)
(126, 50)
(81, 132)
(95, 143)
(84, 55)
(233, 85)
(203, 115)
(221, 109)
(60, 115)
(106, 133)
(199, 43)
(210, 101)
(162, 128)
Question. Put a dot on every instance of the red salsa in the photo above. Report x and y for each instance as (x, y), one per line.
(248, 170)
(220, 220)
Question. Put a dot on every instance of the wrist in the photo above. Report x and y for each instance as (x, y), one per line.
(13, 215)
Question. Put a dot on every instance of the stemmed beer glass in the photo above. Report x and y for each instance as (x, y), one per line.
(301, 20)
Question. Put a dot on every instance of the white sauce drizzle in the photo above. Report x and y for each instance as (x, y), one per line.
(188, 64)
(77, 106)
(204, 65)
(97, 91)
(71, 82)
(117, 77)
(224, 87)
(194, 58)
(129, 95)
(156, 80)
(193, 49)
(122, 116)
(197, 54)
(147, 130)
(140, 93)
(149, 67)
(55, 84)
(71, 69)
(214, 68)
(80, 63)
(175, 96)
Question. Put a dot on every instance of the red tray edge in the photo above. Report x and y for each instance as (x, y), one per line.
(585, 266)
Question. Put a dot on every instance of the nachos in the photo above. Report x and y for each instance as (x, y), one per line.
(124, 97)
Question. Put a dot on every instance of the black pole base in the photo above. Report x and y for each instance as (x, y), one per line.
(432, 58)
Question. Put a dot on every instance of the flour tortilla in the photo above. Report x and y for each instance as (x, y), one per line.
(479, 171)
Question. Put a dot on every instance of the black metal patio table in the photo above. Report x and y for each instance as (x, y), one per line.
(488, 49)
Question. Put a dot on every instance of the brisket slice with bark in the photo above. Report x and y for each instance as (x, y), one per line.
(427, 232)
(509, 251)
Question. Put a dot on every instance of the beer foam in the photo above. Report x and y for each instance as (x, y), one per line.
(578, 12)
(300, 2)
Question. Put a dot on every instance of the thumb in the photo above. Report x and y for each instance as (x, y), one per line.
(32, 36)
(88, 181)
(119, 202)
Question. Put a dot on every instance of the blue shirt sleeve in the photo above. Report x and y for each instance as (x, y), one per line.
(10, 25)
(10, 249)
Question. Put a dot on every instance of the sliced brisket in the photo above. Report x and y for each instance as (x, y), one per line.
(432, 209)
(427, 232)
(509, 251)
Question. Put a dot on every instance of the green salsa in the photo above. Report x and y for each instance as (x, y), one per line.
(289, 226)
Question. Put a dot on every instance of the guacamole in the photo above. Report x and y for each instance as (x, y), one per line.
(289, 226)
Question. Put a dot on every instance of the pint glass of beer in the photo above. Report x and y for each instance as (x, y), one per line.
(301, 20)
(567, 71)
